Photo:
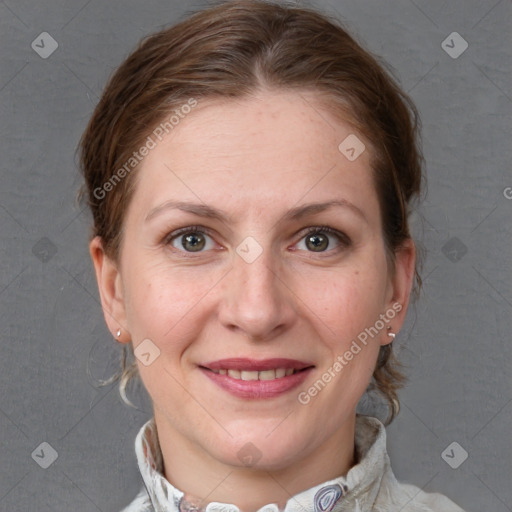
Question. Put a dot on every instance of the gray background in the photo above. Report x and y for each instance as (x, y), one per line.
(457, 340)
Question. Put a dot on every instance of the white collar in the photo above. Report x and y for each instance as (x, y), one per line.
(357, 490)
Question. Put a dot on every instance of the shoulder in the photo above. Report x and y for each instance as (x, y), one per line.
(376, 482)
(141, 503)
(423, 501)
(412, 499)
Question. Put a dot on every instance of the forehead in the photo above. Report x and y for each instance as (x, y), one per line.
(267, 148)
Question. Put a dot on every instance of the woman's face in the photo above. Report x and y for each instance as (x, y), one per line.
(252, 248)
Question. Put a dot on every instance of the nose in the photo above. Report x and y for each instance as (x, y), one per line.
(256, 298)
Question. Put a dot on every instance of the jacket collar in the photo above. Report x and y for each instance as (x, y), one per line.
(357, 490)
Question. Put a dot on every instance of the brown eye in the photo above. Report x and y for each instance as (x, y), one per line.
(317, 242)
(192, 241)
(323, 239)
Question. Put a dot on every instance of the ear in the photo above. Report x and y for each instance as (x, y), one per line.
(110, 289)
(401, 282)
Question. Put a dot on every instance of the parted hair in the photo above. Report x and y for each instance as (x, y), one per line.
(232, 50)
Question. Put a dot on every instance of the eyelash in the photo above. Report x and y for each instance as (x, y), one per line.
(343, 239)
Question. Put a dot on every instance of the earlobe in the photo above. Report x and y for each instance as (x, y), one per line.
(110, 289)
(401, 285)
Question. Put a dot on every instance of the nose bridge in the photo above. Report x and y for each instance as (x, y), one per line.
(255, 271)
(258, 277)
(254, 264)
(255, 301)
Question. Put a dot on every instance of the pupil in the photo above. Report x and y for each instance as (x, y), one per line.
(193, 242)
(317, 242)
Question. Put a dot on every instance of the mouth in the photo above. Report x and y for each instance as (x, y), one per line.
(249, 378)
(272, 374)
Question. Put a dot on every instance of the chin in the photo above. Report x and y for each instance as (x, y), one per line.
(263, 448)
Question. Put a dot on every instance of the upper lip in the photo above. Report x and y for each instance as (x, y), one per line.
(246, 364)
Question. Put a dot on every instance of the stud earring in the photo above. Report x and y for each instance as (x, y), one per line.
(118, 333)
(391, 334)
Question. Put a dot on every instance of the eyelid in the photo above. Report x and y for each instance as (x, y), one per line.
(167, 239)
(343, 238)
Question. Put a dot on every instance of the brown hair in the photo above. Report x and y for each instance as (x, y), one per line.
(230, 51)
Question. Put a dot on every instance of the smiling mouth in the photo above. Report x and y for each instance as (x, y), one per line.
(251, 378)
(246, 375)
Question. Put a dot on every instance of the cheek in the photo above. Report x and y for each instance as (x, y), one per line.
(162, 302)
(345, 300)
(164, 305)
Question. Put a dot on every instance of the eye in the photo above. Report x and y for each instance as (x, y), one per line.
(190, 240)
(319, 239)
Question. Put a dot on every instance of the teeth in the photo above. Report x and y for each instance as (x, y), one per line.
(267, 375)
(278, 373)
(245, 375)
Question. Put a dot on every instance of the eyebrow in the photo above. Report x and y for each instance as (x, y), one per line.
(297, 213)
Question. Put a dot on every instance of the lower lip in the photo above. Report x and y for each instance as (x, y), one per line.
(257, 389)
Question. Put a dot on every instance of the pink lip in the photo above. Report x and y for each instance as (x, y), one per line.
(256, 389)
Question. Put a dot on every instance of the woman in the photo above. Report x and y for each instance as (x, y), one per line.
(250, 172)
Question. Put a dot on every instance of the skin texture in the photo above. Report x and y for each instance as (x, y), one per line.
(255, 159)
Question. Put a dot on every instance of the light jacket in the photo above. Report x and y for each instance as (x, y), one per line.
(369, 486)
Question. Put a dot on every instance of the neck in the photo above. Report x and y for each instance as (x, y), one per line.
(205, 479)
